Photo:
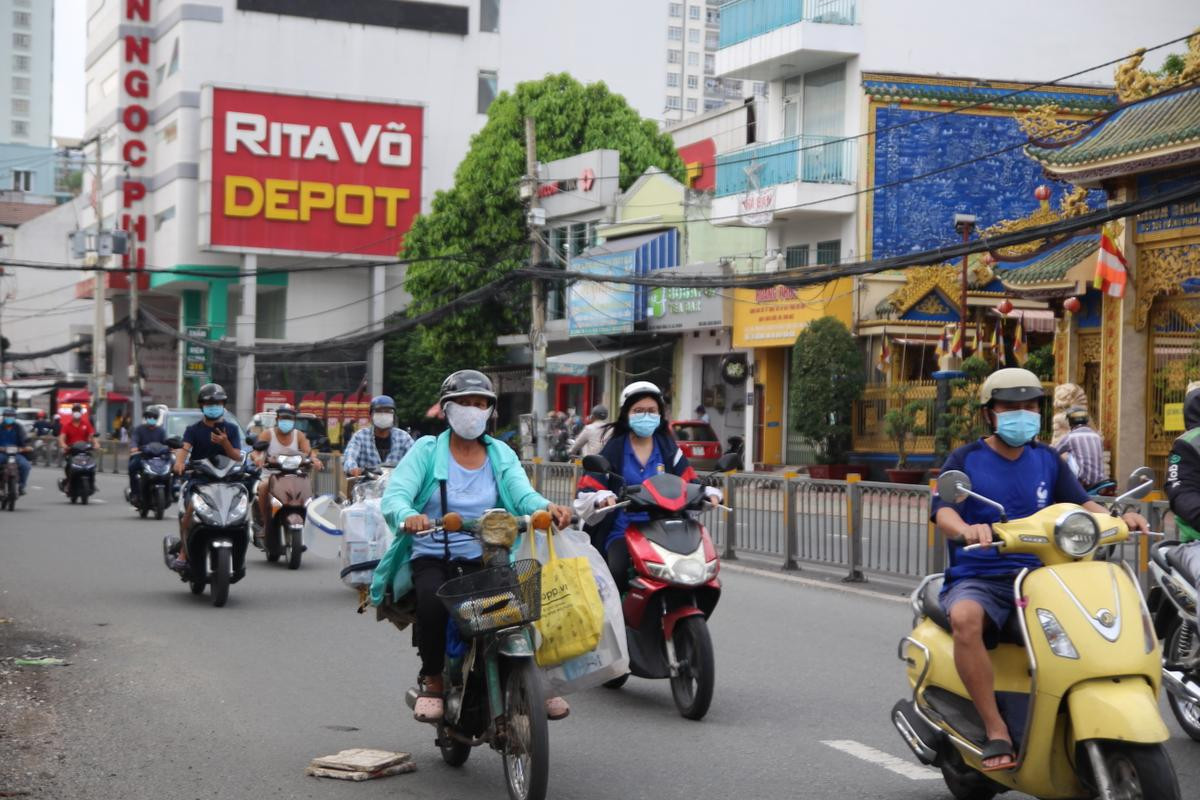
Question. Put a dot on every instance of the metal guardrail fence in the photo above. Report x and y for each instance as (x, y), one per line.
(858, 526)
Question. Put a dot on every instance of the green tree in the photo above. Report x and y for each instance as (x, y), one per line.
(1041, 362)
(412, 375)
(827, 377)
(482, 215)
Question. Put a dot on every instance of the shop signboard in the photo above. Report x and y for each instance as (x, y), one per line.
(774, 316)
(580, 184)
(196, 356)
(308, 174)
(596, 308)
(684, 308)
(271, 399)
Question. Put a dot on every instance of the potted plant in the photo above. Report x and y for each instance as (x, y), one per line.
(900, 424)
(960, 423)
(827, 377)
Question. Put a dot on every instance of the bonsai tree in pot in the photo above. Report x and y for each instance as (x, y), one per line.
(900, 424)
(827, 377)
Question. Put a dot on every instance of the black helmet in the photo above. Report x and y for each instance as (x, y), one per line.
(285, 410)
(212, 393)
(9, 411)
(465, 383)
(599, 411)
(1077, 416)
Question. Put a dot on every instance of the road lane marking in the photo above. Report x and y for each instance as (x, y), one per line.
(813, 582)
(879, 758)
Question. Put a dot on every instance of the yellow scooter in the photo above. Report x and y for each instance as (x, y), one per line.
(1077, 669)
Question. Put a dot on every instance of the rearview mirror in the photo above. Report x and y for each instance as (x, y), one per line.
(953, 486)
(596, 464)
(1141, 481)
(261, 445)
(729, 461)
(174, 442)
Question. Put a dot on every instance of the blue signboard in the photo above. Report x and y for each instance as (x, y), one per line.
(597, 308)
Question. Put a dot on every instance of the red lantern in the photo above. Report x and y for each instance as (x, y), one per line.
(1042, 193)
(1005, 306)
(1072, 304)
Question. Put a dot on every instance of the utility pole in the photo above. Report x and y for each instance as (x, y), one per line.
(964, 224)
(99, 344)
(135, 373)
(537, 332)
(244, 405)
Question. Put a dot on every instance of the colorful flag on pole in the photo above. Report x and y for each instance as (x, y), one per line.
(1110, 267)
(998, 344)
(943, 345)
(1020, 346)
(956, 342)
(885, 356)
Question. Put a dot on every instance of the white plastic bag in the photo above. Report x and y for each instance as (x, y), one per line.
(610, 659)
(322, 532)
(365, 538)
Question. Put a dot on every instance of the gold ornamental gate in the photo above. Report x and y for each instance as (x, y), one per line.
(1173, 363)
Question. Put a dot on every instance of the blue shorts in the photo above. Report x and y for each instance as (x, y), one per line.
(994, 594)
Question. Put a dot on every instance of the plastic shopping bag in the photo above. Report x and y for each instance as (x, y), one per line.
(572, 620)
(610, 659)
(322, 533)
(366, 537)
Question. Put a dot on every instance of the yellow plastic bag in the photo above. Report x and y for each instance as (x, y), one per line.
(572, 618)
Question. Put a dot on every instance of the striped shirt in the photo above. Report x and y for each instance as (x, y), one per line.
(1084, 451)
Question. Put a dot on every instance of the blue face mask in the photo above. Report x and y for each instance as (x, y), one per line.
(9, 420)
(213, 412)
(644, 424)
(285, 425)
(1018, 428)
(150, 421)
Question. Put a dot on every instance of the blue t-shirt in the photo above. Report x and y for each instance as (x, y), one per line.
(634, 473)
(145, 434)
(12, 435)
(469, 493)
(199, 436)
(1038, 478)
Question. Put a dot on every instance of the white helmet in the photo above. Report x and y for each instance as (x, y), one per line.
(640, 387)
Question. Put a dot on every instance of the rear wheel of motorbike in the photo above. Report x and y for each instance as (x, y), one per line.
(693, 687)
(160, 502)
(294, 548)
(454, 752)
(1182, 644)
(143, 512)
(270, 547)
(617, 683)
(1139, 771)
(83, 498)
(527, 747)
(221, 574)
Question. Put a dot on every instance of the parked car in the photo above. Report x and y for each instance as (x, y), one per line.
(310, 425)
(28, 416)
(699, 443)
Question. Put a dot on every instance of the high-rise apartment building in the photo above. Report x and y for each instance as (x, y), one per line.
(26, 67)
(693, 37)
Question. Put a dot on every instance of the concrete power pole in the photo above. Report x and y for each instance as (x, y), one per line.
(244, 406)
(135, 373)
(99, 344)
(537, 329)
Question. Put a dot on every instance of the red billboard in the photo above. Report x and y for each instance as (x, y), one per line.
(312, 175)
(700, 158)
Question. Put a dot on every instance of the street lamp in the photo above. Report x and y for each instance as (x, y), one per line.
(964, 224)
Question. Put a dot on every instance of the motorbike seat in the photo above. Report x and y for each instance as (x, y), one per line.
(931, 606)
(1159, 552)
(1176, 558)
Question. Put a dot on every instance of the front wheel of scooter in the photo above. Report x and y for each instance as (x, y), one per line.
(527, 747)
(693, 687)
(222, 571)
(1181, 645)
(1139, 771)
(294, 547)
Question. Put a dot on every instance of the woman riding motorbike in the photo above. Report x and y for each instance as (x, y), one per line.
(467, 472)
(640, 446)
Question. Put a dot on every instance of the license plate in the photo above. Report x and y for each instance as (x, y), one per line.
(697, 451)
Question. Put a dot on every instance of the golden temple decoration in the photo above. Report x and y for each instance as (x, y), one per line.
(932, 304)
(1073, 204)
(1089, 347)
(1161, 272)
(946, 279)
(1044, 124)
(1135, 83)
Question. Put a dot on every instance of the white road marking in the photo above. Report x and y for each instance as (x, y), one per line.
(879, 758)
(813, 582)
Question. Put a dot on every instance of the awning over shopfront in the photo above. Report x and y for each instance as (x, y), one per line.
(1032, 320)
(580, 362)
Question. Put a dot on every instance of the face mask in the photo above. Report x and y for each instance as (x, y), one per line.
(150, 422)
(9, 420)
(1018, 428)
(383, 420)
(214, 412)
(286, 425)
(77, 416)
(644, 424)
(467, 421)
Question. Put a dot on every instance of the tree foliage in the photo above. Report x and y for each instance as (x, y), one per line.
(482, 215)
(411, 375)
(827, 377)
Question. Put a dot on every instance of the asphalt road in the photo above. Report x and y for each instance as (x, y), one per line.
(168, 697)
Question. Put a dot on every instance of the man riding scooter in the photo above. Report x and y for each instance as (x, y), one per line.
(13, 435)
(382, 443)
(146, 433)
(282, 440)
(1183, 482)
(1012, 467)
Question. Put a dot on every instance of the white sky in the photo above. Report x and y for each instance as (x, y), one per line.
(70, 41)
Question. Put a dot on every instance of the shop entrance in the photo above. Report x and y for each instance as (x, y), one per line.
(573, 392)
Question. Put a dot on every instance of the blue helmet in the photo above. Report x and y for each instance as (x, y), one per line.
(382, 401)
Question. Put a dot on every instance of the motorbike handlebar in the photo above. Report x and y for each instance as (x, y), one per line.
(997, 543)
(454, 523)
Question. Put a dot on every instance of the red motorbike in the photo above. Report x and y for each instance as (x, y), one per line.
(673, 587)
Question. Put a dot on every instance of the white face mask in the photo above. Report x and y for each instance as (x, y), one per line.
(468, 422)
(383, 420)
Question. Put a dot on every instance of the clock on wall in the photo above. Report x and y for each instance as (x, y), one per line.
(734, 369)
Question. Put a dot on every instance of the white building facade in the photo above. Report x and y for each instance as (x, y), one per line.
(26, 71)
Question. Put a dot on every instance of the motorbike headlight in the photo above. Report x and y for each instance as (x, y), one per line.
(203, 508)
(689, 570)
(240, 506)
(1076, 533)
(290, 462)
(1057, 638)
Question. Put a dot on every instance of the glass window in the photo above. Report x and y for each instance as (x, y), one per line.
(714, 15)
(21, 63)
(20, 84)
(693, 81)
(829, 253)
(173, 67)
(20, 128)
(693, 59)
(21, 19)
(693, 12)
(271, 307)
(711, 40)
(22, 40)
(22, 3)
(488, 85)
(20, 106)
(675, 33)
(673, 102)
(710, 64)
(674, 56)
(22, 180)
(673, 79)
(825, 102)
(489, 16)
(676, 9)
(694, 35)
(709, 105)
(796, 256)
(691, 104)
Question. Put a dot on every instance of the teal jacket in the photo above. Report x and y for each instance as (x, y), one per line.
(415, 480)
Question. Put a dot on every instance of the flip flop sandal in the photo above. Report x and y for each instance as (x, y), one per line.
(998, 748)
(557, 708)
(429, 706)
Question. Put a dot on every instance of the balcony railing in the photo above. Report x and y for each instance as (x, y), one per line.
(810, 159)
(745, 19)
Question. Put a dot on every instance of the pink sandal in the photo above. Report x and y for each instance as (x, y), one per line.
(557, 708)
(429, 706)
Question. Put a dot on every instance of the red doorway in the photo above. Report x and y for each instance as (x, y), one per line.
(573, 392)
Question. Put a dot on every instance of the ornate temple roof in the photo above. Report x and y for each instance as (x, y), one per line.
(890, 88)
(1158, 132)
(1049, 267)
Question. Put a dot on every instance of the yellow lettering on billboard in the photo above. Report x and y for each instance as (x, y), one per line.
(232, 208)
(314, 194)
(366, 197)
(391, 200)
(279, 194)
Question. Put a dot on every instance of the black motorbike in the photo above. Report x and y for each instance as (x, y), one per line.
(10, 477)
(155, 484)
(218, 534)
(1172, 602)
(80, 481)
